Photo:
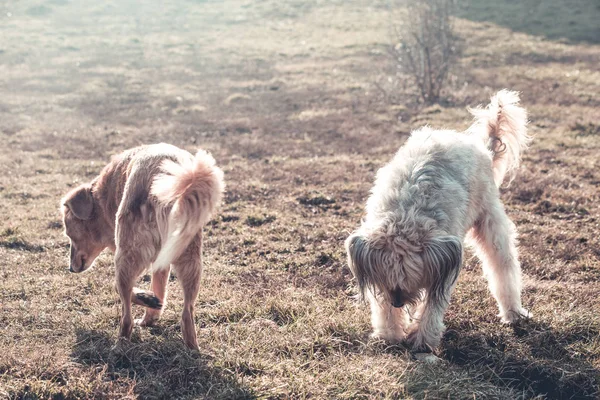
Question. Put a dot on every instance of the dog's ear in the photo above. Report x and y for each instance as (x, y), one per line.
(80, 201)
(356, 248)
(365, 262)
(442, 258)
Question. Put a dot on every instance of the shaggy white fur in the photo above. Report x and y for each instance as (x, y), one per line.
(440, 189)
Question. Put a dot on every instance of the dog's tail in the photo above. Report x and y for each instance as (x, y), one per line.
(503, 125)
(191, 190)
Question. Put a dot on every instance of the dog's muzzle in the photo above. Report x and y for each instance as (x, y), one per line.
(81, 267)
(397, 298)
(397, 304)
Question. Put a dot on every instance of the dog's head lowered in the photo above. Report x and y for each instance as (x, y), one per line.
(83, 226)
(397, 276)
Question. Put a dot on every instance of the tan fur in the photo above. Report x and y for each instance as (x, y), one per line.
(145, 199)
(188, 189)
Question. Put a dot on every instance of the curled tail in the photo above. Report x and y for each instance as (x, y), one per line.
(503, 125)
(191, 190)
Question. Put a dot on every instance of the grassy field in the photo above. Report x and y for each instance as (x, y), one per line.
(300, 104)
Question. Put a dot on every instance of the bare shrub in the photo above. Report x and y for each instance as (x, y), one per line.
(427, 46)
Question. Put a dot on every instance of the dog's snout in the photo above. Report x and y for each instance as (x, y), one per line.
(75, 267)
(397, 304)
(78, 260)
(397, 298)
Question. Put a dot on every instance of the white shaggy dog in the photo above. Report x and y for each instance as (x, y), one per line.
(440, 188)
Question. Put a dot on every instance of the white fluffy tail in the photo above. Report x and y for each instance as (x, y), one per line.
(192, 190)
(503, 125)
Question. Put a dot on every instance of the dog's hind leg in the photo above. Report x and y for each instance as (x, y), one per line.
(129, 264)
(160, 279)
(136, 241)
(188, 268)
(494, 238)
(389, 323)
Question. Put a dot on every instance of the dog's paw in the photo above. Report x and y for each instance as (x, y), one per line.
(512, 316)
(149, 300)
(387, 336)
(143, 322)
(427, 358)
(425, 340)
(418, 343)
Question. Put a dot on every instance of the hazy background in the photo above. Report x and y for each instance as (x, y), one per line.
(300, 102)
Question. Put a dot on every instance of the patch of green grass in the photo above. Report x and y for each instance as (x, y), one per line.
(555, 19)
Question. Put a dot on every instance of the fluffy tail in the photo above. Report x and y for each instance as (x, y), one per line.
(192, 190)
(503, 125)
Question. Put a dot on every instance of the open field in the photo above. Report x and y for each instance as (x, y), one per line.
(300, 104)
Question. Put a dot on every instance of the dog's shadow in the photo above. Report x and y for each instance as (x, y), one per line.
(159, 366)
(534, 360)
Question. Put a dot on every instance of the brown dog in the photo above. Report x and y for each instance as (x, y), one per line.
(148, 205)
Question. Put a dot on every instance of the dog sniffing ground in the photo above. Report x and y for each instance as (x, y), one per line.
(300, 104)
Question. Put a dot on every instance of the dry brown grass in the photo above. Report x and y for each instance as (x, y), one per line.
(295, 103)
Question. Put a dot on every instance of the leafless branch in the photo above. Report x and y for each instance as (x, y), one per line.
(427, 46)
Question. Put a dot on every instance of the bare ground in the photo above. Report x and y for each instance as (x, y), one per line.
(300, 104)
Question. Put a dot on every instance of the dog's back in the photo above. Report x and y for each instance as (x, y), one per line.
(438, 179)
(428, 185)
(172, 189)
(164, 191)
(136, 167)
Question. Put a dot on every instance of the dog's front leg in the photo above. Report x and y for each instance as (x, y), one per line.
(188, 268)
(429, 328)
(389, 323)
